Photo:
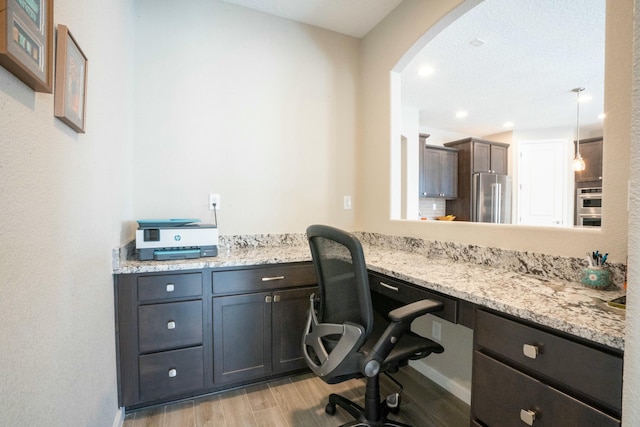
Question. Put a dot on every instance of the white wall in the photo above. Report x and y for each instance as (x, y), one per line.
(63, 197)
(411, 174)
(631, 384)
(257, 108)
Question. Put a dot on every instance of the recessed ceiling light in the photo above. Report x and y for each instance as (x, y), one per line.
(476, 42)
(425, 70)
(461, 114)
(507, 124)
(585, 98)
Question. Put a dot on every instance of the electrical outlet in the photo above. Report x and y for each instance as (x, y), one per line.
(436, 330)
(347, 202)
(214, 199)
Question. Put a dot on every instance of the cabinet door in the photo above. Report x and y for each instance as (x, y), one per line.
(449, 177)
(289, 315)
(432, 172)
(481, 157)
(241, 337)
(499, 160)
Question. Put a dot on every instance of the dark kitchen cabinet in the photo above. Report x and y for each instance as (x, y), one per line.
(591, 152)
(183, 334)
(161, 343)
(258, 332)
(475, 156)
(490, 158)
(525, 375)
(242, 337)
(438, 172)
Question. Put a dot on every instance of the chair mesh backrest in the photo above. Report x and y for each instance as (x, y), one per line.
(342, 277)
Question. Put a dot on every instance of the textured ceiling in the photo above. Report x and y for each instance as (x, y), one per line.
(352, 17)
(536, 51)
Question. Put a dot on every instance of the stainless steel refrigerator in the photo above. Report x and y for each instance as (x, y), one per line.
(491, 198)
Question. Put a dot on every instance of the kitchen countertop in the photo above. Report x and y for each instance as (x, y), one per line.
(559, 304)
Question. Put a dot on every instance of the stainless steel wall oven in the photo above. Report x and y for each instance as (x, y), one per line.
(589, 207)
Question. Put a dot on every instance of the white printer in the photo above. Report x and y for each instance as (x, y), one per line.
(164, 239)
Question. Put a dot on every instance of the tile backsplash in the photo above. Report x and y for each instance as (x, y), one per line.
(431, 208)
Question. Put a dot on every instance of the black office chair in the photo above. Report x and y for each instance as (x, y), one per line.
(343, 336)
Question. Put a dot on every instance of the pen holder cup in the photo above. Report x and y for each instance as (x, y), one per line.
(596, 277)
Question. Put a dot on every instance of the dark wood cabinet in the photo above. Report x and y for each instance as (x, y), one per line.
(161, 344)
(391, 293)
(256, 333)
(438, 172)
(241, 337)
(525, 374)
(288, 317)
(475, 156)
(184, 334)
(591, 152)
(489, 157)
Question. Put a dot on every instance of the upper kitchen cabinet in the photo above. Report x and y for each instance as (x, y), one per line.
(438, 172)
(591, 152)
(487, 156)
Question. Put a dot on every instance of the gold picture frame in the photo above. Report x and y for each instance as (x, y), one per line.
(70, 99)
(26, 41)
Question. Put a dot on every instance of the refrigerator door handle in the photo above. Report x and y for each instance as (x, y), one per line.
(496, 198)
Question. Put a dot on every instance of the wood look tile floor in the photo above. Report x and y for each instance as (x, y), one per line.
(299, 402)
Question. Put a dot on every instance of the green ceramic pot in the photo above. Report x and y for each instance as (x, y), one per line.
(596, 277)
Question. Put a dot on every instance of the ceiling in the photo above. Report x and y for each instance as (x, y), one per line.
(352, 17)
(534, 53)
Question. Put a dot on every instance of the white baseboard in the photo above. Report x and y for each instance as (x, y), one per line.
(461, 391)
(119, 420)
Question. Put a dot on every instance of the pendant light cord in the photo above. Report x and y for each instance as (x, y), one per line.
(577, 91)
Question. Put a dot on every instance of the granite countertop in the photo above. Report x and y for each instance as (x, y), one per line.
(562, 305)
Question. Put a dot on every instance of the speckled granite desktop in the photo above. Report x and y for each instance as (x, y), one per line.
(540, 288)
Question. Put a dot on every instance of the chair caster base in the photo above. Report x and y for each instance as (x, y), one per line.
(330, 409)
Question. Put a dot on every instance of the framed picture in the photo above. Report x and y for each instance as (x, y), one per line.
(26, 41)
(70, 98)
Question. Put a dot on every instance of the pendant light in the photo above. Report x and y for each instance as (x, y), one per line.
(578, 161)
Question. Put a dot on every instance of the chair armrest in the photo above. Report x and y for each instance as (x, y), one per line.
(401, 319)
(415, 309)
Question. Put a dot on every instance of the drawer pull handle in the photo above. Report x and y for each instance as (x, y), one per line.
(269, 279)
(171, 287)
(171, 324)
(531, 351)
(393, 288)
(527, 416)
(172, 372)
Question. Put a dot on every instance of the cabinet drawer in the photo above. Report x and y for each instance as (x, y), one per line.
(152, 288)
(262, 279)
(405, 293)
(588, 371)
(171, 373)
(500, 393)
(168, 326)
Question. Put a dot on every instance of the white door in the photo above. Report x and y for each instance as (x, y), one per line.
(542, 183)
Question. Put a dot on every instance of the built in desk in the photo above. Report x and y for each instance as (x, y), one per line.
(545, 324)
